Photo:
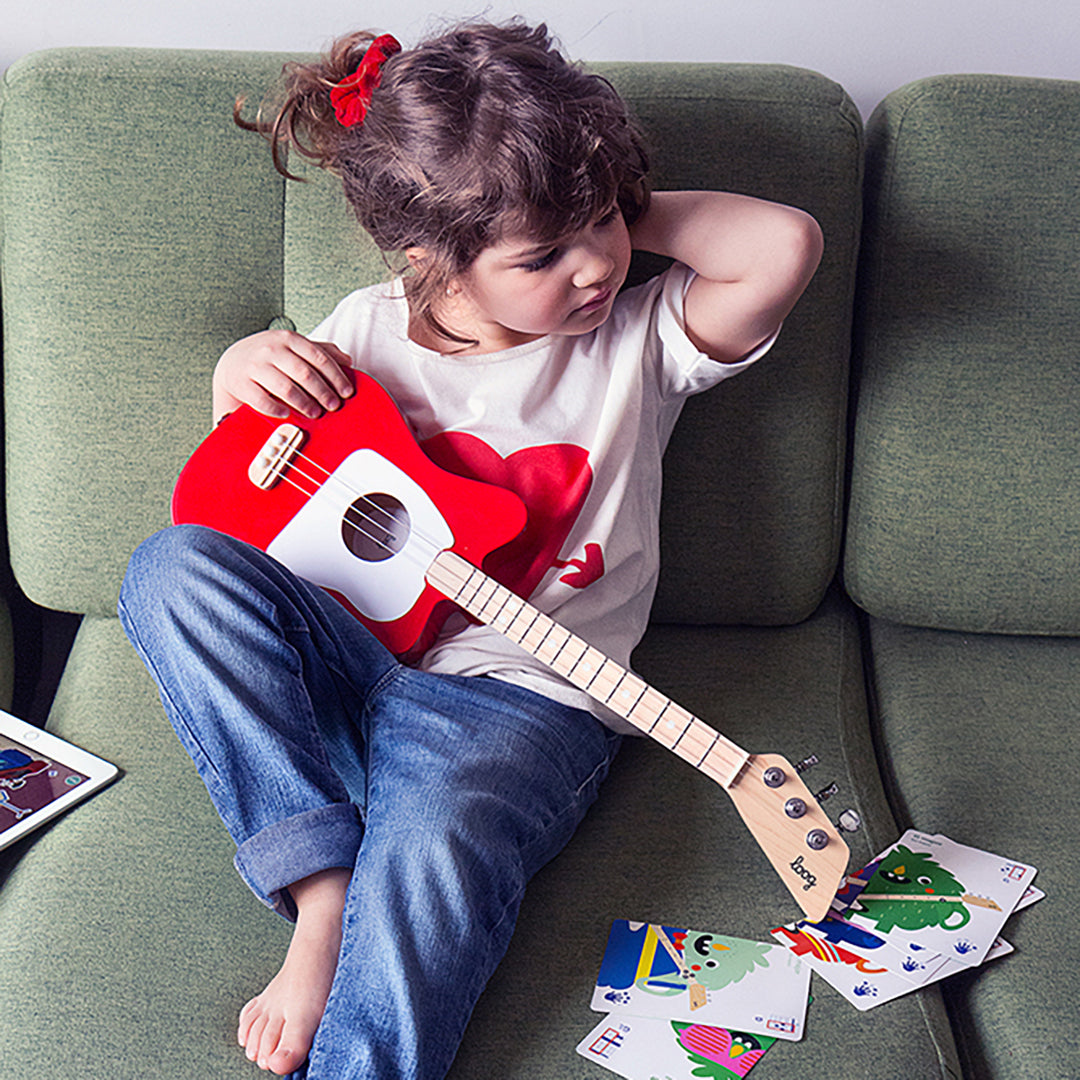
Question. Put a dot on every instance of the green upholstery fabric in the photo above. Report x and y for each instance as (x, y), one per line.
(145, 233)
(142, 233)
(123, 919)
(662, 843)
(752, 520)
(964, 512)
(983, 744)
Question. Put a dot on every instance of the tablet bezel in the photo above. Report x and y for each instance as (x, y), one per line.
(98, 772)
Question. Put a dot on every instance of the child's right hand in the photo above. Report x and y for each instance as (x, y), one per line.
(276, 370)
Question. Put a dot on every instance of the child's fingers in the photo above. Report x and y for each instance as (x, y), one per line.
(333, 365)
(315, 371)
(295, 383)
(276, 370)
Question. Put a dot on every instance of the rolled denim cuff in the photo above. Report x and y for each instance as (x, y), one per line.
(285, 852)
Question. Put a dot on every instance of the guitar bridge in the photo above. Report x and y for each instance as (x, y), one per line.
(276, 455)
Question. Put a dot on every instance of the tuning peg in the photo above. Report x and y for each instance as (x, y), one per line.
(849, 821)
(807, 762)
(827, 793)
(774, 776)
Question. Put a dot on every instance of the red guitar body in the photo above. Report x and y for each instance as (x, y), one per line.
(351, 502)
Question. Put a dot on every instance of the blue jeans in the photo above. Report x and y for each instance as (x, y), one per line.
(443, 795)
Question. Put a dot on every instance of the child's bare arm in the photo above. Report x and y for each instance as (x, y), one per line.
(753, 258)
(277, 369)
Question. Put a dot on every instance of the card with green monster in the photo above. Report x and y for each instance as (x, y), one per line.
(930, 892)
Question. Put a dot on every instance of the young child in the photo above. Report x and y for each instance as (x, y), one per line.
(394, 812)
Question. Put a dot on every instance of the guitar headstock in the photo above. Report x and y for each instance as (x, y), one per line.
(798, 838)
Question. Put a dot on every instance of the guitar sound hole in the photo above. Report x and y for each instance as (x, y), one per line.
(375, 527)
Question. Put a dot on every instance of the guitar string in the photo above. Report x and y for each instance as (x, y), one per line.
(357, 497)
(459, 584)
(752, 766)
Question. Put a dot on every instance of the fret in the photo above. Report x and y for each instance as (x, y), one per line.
(724, 761)
(554, 642)
(503, 618)
(664, 704)
(607, 679)
(570, 652)
(626, 693)
(694, 741)
(674, 722)
(473, 586)
(537, 631)
(515, 632)
(588, 668)
(548, 627)
(486, 595)
(708, 750)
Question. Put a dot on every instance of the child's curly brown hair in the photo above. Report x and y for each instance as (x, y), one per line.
(482, 133)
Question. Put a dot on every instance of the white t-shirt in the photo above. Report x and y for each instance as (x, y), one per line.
(577, 426)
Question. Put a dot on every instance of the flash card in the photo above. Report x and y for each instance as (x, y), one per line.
(706, 978)
(648, 1048)
(874, 986)
(946, 897)
(835, 945)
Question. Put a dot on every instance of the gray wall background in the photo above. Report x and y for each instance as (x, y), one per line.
(869, 46)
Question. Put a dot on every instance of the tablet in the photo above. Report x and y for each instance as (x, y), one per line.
(41, 776)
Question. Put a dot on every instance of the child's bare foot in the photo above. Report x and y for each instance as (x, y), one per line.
(277, 1027)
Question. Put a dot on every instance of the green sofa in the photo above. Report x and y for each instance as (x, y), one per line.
(934, 677)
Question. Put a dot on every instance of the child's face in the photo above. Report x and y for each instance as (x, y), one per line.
(517, 291)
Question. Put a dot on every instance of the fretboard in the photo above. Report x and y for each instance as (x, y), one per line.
(587, 668)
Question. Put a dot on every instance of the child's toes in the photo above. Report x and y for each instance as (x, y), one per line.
(285, 1060)
(253, 1043)
(269, 1043)
(248, 1015)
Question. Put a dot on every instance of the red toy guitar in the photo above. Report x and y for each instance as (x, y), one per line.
(351, 503)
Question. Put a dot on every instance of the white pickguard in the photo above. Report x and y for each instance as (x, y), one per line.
(311, 545)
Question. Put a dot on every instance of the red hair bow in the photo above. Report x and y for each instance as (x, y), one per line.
(352, 96)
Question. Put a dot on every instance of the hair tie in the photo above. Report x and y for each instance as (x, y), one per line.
(352, 96)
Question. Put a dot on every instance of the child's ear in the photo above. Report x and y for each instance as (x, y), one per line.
(417, 257)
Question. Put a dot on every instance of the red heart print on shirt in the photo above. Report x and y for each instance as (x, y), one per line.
(552, 481)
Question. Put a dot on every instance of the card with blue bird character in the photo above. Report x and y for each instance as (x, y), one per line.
(707, 978)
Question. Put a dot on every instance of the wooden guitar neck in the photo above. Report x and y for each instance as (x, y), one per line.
(588, 669)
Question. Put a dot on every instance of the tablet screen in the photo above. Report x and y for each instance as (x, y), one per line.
(30, 780)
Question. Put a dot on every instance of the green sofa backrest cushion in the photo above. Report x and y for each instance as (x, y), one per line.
(964, 510)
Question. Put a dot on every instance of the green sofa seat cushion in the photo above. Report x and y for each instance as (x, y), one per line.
(982, 744)
(121, 917)
(162, 944)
